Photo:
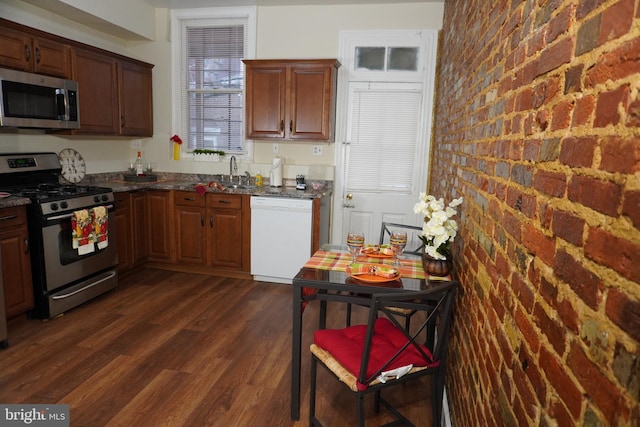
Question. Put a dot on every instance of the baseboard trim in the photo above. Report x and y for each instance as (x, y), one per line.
(446, 416)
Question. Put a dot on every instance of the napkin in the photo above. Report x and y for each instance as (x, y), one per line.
(386, 251)
(394, 373)
(359, 268)
(378, 270)
(82, 236)
(201, 189)
(387, 272)
(101, 226)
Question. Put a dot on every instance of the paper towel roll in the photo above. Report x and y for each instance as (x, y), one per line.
(275, 176)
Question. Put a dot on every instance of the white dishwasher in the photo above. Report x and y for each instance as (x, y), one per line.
(281, 231)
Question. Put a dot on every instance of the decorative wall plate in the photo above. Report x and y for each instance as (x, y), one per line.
(73, 165)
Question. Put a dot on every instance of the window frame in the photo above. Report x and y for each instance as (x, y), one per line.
(215, 15)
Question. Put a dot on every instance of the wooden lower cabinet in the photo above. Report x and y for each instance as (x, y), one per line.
(224, 231)
(183, 228)
(212, 230)
(139, 252)
(159, 225)
(123, 231)
(190, 237)
(131, 229)
(16, 262)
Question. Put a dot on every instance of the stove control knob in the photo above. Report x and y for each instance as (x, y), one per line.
(96, 199)
(105, 197)
(54, 206)
(64, 205)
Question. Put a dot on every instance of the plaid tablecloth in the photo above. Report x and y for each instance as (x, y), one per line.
(325, 260)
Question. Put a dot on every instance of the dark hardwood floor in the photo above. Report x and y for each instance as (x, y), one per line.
(179, 349)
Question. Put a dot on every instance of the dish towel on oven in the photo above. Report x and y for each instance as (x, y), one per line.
(82, 232)
(101, 226)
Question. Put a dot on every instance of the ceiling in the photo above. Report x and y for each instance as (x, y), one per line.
(187, 4)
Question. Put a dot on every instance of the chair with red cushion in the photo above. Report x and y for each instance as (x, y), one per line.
(359, 355)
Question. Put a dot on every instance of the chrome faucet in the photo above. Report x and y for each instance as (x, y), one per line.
(233, 167)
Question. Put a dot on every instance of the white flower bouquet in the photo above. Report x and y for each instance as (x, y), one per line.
(438, 229)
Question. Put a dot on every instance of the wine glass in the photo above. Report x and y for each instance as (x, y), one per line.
(355, 242)
(398, 240)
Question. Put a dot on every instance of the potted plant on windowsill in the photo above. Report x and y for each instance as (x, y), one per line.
(438, 232)
(205, 155)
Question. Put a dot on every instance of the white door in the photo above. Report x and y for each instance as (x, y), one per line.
(382, 145)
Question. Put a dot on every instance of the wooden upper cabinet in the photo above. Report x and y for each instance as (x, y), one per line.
(24, 52)
(114, 91)
(97, 78)
(115, 94)
(136, 99)
(291, 100)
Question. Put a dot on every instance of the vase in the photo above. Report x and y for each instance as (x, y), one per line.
(176, 151)
(436, 267)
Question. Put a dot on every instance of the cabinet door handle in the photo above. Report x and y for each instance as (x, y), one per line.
(8, 217)
(190, 199)
(202, 220)
(27, 52)
(26, 246)
(291, 126)
(281, 125)
(121, 121)
(211, 221)
(224, 201)
(37, 55)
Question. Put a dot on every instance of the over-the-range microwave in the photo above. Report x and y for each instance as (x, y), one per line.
(35, 101)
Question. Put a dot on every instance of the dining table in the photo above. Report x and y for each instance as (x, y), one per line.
(330, 276)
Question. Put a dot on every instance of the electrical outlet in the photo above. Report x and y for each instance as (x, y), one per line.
(136, 143)
(317, 150)
(275, 148)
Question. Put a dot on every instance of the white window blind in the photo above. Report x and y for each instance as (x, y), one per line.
(383, 135)
(212, 83)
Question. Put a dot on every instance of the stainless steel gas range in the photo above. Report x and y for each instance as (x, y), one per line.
(65, 274)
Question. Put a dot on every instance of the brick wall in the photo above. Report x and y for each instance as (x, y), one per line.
(538, 126)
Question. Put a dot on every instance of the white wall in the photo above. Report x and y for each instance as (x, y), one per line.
(283, 32)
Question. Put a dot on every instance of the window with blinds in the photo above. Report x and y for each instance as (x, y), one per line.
(212, 83)
(383, 133)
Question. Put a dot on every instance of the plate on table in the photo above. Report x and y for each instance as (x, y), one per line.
(371, 277)
(393, 284)
(4, 194)
(374, 252)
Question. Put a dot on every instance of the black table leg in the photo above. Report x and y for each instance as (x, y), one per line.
(296, 343)
(322, 323)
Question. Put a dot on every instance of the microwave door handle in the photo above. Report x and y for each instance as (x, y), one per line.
(61, 103)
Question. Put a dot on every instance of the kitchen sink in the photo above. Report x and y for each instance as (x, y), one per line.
(240, 186)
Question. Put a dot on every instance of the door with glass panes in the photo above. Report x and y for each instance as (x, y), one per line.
(382, 146)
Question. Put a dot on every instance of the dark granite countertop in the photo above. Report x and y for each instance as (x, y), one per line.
(188, 182)
(11, 201)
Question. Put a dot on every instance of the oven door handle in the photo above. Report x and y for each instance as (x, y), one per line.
(69, 215)
(84, 288)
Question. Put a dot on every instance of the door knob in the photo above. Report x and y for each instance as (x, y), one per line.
(349, 196)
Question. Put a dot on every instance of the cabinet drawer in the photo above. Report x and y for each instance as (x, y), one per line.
(224, 201)
(188, 198)
(122, 201)
(10, 217)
